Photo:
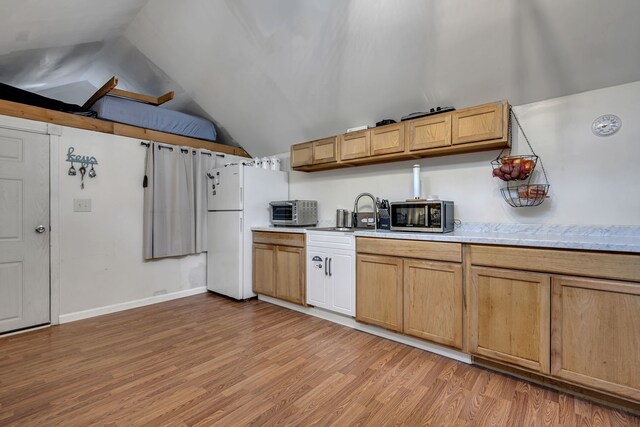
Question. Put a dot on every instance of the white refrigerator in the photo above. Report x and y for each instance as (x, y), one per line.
(238, 199)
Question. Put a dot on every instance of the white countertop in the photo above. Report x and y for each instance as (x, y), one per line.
(596, 238)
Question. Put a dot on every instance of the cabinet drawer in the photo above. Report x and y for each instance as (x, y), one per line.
(277, 238)
(387, 139)
(577, 263)
(410, 249)
(331, 240)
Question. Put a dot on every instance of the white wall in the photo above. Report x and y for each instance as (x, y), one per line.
(298, 70)
(101, 251)
(594, 180)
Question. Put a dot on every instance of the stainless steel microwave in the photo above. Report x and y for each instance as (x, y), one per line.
(424, 216)
(294, 212)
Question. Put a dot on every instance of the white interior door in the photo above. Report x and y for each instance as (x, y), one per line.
(24, 230)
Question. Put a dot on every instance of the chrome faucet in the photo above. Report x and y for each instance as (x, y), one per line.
(375, 209)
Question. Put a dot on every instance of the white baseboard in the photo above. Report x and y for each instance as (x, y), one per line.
(374, 330)
(72, 317)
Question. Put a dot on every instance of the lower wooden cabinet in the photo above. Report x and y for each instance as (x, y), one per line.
(596, 334)
(379, 291)
(509, 317)
(433, 301)
(416, 297)
(290, 274)
(264, 273)
(279, 266)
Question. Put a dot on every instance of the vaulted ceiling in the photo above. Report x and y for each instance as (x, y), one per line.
(276, 72)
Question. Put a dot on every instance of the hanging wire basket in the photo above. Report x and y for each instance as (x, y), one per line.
(525, 194)
(518, 172)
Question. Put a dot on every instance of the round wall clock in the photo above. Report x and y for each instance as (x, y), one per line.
(606, 125)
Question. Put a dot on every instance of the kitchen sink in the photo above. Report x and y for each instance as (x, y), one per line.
(342, 229)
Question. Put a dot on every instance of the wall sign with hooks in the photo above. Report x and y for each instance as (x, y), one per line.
(84, 161)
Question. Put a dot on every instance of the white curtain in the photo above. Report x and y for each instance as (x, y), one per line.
(147, 185)
(204, 161)
(175, 204)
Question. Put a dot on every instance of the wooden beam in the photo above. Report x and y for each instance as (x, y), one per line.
(106, 88)
(147, 99)
(164, 98)
(30, 112)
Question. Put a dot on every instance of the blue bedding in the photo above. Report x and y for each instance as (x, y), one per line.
(152, 117)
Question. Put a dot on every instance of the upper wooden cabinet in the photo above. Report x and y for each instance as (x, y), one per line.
(387, 139)
(484, 127)
(509, 317)
(481, 123)
(317, 152)
(429, 132)
(325, 150)
(355, 145)
(596, 334)
(302, 155)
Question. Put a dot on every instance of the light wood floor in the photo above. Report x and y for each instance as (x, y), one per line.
(207, 360)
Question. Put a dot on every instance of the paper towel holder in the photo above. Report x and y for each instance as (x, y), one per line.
(417, 190)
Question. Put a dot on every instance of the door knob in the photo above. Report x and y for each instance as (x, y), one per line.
(40, 229)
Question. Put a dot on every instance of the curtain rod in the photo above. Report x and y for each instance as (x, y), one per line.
(184, 150)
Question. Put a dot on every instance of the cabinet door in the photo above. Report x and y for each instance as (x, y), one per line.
(433, 301)
(429, 132)
(509, 317)
(302, 154)
(264, 273)
(379, 291)
(290, 274)
(387, 139)
(596, 334)
(481, 123)
(325, 150)
(355, 145)
(342, 282)
(317, 274)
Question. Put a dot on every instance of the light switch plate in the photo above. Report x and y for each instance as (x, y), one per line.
(82, 205)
